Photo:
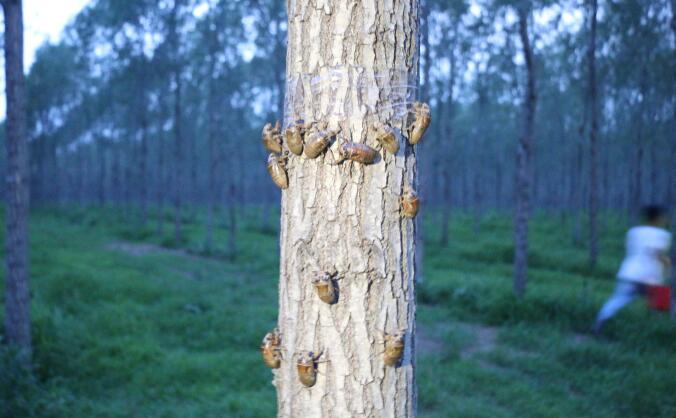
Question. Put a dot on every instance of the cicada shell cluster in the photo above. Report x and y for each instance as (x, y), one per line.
(272, 138)
(386, 137)
(307, 368)
(326, 288)
(394, 348)
(355, 151)
(277, 170)
(422, 119)
(294, 137)
(270, 349)
(410, 203)
(317, 140)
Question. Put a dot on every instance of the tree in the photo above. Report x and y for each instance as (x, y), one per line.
(179, 160)
(343, 222)
(523, 157)
(17, 298)
(593, 140)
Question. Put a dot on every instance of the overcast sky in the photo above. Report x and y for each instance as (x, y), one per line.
(43, 20)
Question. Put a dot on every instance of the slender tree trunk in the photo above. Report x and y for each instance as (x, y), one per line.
(191, 201)
(178, 161)
(232, 222)
(498, 181)
(82, 174)
(127, 149)
(425, 97)
(347, 217)
(161, 180)
(637, 188)
(654, 172)
(447, 140)
(523, 176)
(593, 141)
(143, 166)
(446, 206)
(637, 183)
(101, 153)
(17, 298)
(425, 44)
(213, 159)
(478, 147)
(673, 17)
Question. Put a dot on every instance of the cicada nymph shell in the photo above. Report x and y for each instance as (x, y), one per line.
(355, 151)
(272, 138)
(410, 203)
(386, 137)
(394, 348)
(317, 140)
(293, 135)
(307, 368)
(422, 119)
(277, 170)
(270, 349)
(326, 288)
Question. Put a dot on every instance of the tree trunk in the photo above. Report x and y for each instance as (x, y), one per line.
(425, 42)
(478, 148)
(232, 222)
(178, 138)
(347, 217)
(213, 159)
(593, 142)
(143, 171)
(654, 169)
(523, 176)
(425, 97)
(671, 201)
(673, 17)
(17, 298)
(446, 206)
(637, 185)
(447, 141)
(101, 153)
(178, 161)
(161, 171)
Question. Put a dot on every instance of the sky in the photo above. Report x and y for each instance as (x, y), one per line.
(43, 20)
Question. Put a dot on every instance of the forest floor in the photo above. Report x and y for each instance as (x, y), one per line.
(131, 324)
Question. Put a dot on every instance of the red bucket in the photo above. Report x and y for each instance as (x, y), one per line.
(659, 297)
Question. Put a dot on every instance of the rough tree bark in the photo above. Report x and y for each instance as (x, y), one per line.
(17, 298)
(523, 157)
(347, 64)
(593, 140)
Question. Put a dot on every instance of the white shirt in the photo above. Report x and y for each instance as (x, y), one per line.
(641, 264)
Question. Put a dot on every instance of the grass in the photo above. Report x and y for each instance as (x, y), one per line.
(126, 328)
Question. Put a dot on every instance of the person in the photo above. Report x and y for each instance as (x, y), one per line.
(646, 263)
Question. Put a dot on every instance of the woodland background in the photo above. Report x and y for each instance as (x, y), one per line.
(153, 227)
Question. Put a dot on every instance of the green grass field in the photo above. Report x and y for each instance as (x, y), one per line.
(125, 326)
